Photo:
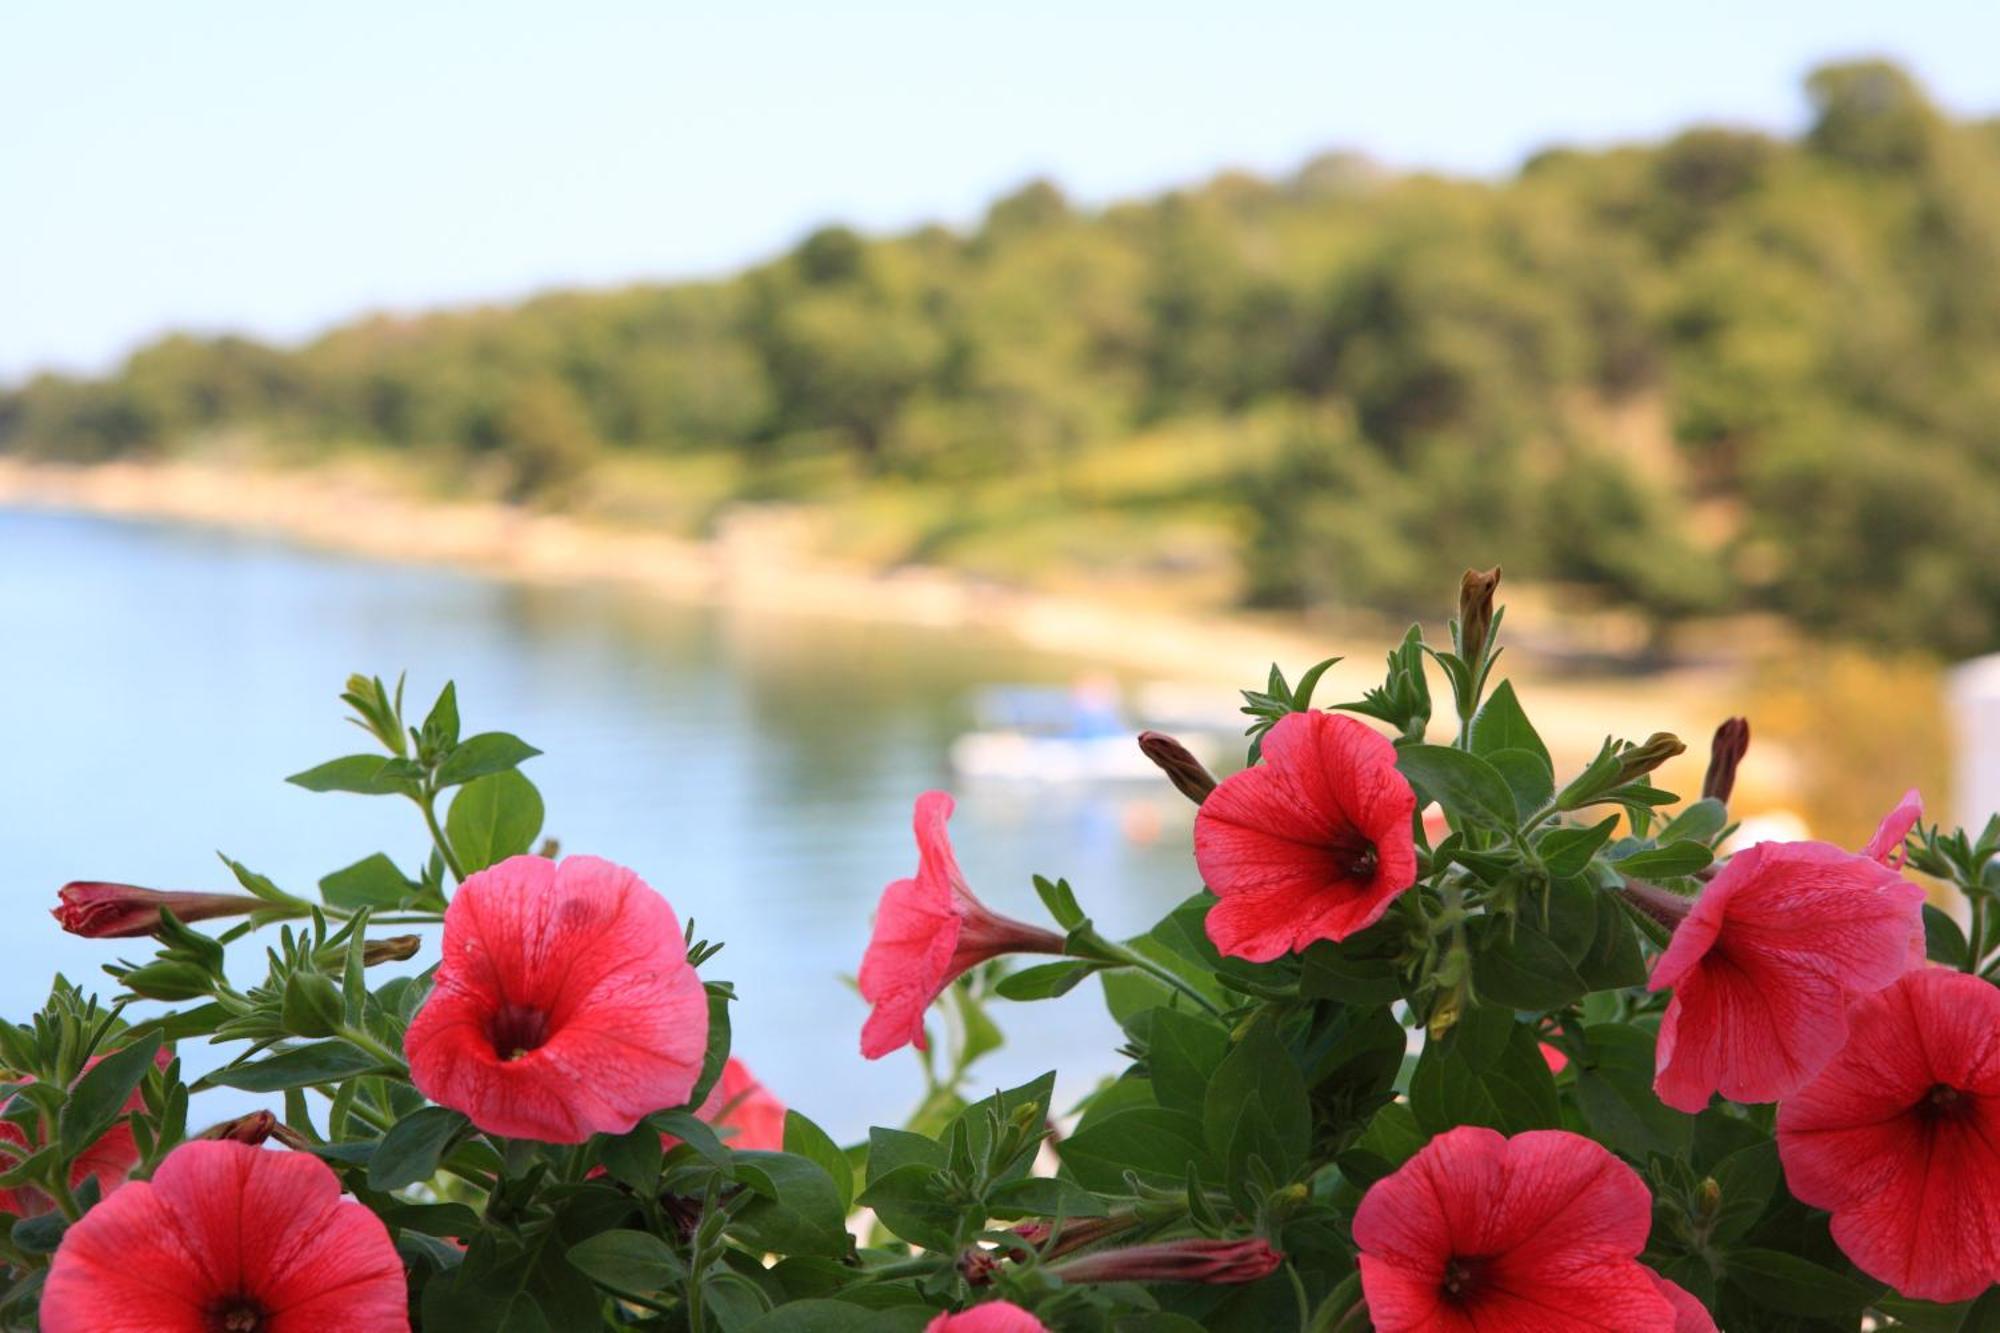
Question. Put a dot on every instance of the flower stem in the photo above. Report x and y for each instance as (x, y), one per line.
(367, 1041)
(428, 804)
(1097, 947)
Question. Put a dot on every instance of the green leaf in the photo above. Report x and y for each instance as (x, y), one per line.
(1613, 960)
(492, 818)
(1039, 1093)
(692, 1130)
(912, 1204)
(363, 774)
(1045, 981)
(1666, 862)
(479, 756)
(99, 1097)
(798, 1211)
(1502, 725)
(1259, 1069)
(1488, 1071)
(1748, 1179)
(1155, 1143)
(1520, 967)
(634, 1158)
(1182, 1057)
(372, 881)
(1464, 784)
(827, 1316)
(1359, 970)
(805, 1139)
(1044, 1196)
(1614, 1090)
(1391, 1139)
(1699, 822)
(301, 1066)
(1528, 776)
(441, 727)
(1944, 942)
(1791, 1285)
(632, 1263)
(409, 1152)
(1567, 851)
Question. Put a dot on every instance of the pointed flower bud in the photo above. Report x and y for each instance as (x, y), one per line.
(1195, 1259)
(1639, 760)
(1189, 776)
(390, 949)
(1475, 610)
(116, 911)
(1725, 752)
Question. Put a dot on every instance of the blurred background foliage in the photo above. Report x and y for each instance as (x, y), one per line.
(1723, 373)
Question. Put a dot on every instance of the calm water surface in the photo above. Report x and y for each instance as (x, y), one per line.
(158, 683)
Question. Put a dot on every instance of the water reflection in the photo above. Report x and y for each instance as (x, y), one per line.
(157, 684)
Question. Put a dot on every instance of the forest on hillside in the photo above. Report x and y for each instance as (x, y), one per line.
(1721, 373)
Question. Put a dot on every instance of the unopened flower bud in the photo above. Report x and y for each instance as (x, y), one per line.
(1076, 1232)
(390, 949)
(1708, 1199)
(1189, 776)
(253, 1129)
(1639, 760)
(1725, 752)
(169, 980)
(1475, 610)
(1196, 1259)
(117, 911)
(978, 1267)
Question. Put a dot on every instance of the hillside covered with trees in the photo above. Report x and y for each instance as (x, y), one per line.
(1724, 372)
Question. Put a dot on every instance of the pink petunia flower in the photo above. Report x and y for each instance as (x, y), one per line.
(564, 1005)
(1768, 959)
(928, 931)
(1690, 1315)
(110, 1159)
(1539, 1233)
(119, 911)
(1311, 844)
(226, 1236)
(992, 1317)
(1899, 1137)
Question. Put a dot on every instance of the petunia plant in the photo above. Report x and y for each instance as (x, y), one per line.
(1451, 1040)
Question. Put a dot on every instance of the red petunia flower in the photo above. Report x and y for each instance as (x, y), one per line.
(564, 1005)
(226, 1236)
(1887, 844)
(118, 911)
(992, 1317)
(1311, 844)
(1539, 1233)
(1690, 1315)
(1767, 961)
(739, 1102)
(928, 931)
(1899, 1137)
(110, 1159)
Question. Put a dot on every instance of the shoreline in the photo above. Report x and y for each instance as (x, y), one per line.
(756, 566)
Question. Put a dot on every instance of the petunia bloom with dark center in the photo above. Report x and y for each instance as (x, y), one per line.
(564, 1005)
(1311, 844)
(1899, 1137)
(227, 1238)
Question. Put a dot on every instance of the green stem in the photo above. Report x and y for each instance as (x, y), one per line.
(427, 803)
(1129, 958)
(367, 1041)
(1976, 928)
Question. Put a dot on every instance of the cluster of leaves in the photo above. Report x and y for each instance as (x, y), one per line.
(1260, 1099)
(1327, 382)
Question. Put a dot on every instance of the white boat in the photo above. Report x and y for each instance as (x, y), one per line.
(1055, 735)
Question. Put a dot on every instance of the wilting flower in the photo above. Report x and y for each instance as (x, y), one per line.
(1767, 961)
(115, 911)
(226, 1236)
(992, 1317)
(1311, 844)
(1196, 1259)
(1076, 1233)
(1690, 1315)
(564, 1005)
(928, 931)
(110, 1159)
(1899, 1137)
(1539, 1233)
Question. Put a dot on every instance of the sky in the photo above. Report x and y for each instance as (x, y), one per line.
(274, 169)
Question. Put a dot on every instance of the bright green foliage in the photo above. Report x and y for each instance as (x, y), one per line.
(1726, 371)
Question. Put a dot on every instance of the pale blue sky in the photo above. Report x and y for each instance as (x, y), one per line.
(259, 167)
